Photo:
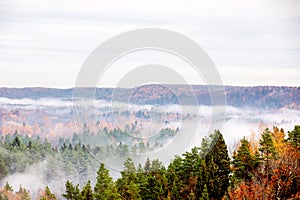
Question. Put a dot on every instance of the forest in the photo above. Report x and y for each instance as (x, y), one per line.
(265, 169)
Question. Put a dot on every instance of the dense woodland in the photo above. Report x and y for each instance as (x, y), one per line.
(268, 168)
(258, 96)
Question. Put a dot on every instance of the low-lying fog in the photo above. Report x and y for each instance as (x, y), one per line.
(236, 122)
(56, 117)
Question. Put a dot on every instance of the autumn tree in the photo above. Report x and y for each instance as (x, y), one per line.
(285, 174)
(280, 176)
(278, 139)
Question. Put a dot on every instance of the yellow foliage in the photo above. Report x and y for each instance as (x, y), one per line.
(278, 140)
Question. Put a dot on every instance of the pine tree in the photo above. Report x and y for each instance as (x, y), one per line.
(48, 195)
(129, 168)
(128, 185)
(29, 145)
(8, 187)
(69, 190)
(243, 162)
(147, 165)
(294, 137)
(105, 188)
(266, 144)
(24, 194)
(267, 149)
(77, 193)
(190, 173)
(201, 180)
(87, 192)
(173, 180)
(157, 166)
(16, 142)
(217, 167)
(72, 192)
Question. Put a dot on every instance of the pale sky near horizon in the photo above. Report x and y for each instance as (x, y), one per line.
(252, 42)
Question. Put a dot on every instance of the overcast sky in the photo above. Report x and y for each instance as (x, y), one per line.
(44, 43)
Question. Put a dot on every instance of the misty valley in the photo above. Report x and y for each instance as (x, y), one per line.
(151, 147)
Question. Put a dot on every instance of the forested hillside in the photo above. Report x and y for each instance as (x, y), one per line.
(267, 168)
(258, 97)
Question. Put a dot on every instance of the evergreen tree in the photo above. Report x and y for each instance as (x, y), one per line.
(202, 179)
(87, 192)
(173, 180)
(70, 147)
(190, 173)
(8, 187)
(16, 142)
(128, 185)
(294, 137)
(205, 146)
(266, 144)
(24, 194)
(77, 193)
(72, 192)
(217, 167)
(69, 190)
(105, 188)
(243, 162)
(157, 166)
(48, 195)
(129, 172)
(29, 145)
(147, 165)
(156, 184)
(267, 149)
(142, 180)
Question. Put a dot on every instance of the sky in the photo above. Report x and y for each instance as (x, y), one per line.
(251, 42)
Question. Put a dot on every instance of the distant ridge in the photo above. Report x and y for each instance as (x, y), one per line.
(268, 97)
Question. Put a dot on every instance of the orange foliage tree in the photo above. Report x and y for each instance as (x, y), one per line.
(283, 181)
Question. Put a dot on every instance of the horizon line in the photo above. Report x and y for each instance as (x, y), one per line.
(113, 87)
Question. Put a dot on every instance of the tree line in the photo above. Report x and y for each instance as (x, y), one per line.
(267, 170)
(263, 169)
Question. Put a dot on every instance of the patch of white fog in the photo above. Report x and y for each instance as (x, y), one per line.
(236, 123)
(34, 103)
(34, 179)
